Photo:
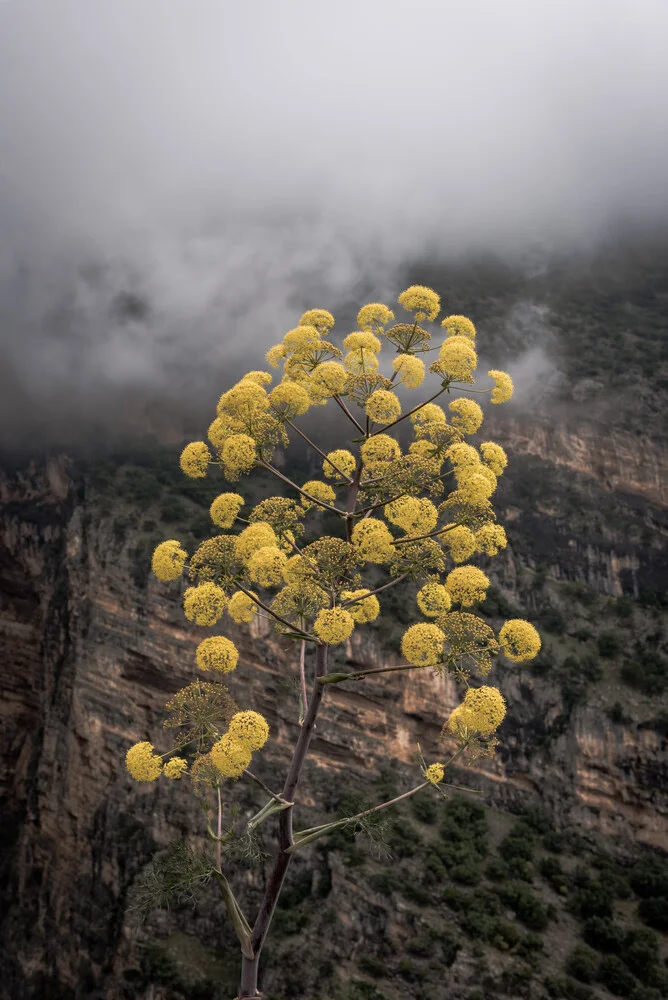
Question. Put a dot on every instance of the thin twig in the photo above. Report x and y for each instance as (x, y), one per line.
(302, 678)
(262, 785)
(283, 621)
(371, 593)
(337, 399)
(414, 410)
(320, 503)
(321, 453)
(358, 675)
(432, 534)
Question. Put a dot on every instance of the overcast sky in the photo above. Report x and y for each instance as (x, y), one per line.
(229, 161)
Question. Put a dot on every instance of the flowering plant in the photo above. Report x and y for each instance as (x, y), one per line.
(419, 515)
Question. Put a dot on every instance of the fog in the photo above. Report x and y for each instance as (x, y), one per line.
(179, 180)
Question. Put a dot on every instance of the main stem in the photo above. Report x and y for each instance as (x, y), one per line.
(249, 967)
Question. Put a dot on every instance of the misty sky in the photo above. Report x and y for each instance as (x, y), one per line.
(180, 178)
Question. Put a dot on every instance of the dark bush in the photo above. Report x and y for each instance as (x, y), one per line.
(648, 672)
(640, 951)
(552, 620)
(603, 934)
(609, 644)
(594, 901)
(569, 989)
(518, 844)
(614, 974)
(551, 870)
(425, 809)
(654, 912)
(503, 935)
(526, 905)
(649, 877)
(645, 993)
(497, 870)
(582, 963)
(372, 966)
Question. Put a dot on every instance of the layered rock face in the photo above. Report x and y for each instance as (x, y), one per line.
(90, 655)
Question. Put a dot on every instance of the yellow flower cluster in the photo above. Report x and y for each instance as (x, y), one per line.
(422, 301)
(364, 610)
(266, 565)
(435, 773)
(503, 386)
(415, 515)
(520, 640)
(195, 459)
(458, 326)
(430, 413)
(362, 340)
(250, 729)
(487, 708)
(361, 362)
(340, 459)
(383, 407)
(321, 319)
(380, 448)
(255, 536)
(494, 456)
(467, 415)
(411, 370)
(288, 400)
(467, 585)
(459, 540)
(241, 607)
(142, 763)
(238, 454)
(168, 560)
(458, 359)
(230, 756)
(469, 638)
(217, 653)
(225, 508)
(204, 604)
(423, 644)
(433, 599)
(489, 538)
(374, 315)
(328, 379)
(175, 767)
(261, 378)
(372, 540)
(334, 625)
(318, 491)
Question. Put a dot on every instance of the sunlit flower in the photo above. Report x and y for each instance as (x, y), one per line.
(458, 358)
(422, 301)
(366, 610)
(460, 541)
(195, 459)
(520, 640)
(275, 355)
(218, 654)
(238, 455)
(435, 773)
(301, 335)
(175, 767)
(241, 608)
(458, 326)
(142, 763)
(423, 644)
(168, 560)
(230, 756)
(411, 370)
(250, 729)
(467, 585)
(242, 399)
(288, 400)
(503, 386)
(433, 599)
(429, 413)
(467, 415)
(415, 515)
(334, 625)
(361, 362)
(321, 319)
(372, 540)
(204, 604)
(380, 448)
(383, 407)
(374, 315)
(494, 456)
(344, 460)
(328, 379)
(262, 378)
(362, 340)
(319, 491)
(265, 566)
(225, 508)
(252, 538)
(487, 707)
(489, 538)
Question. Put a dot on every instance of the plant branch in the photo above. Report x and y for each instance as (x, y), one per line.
(358, 675)
(337, 399)
(319, 503)
(321, 453)
(432, 534)
(414, 410)
(371, 593)
(283, 621)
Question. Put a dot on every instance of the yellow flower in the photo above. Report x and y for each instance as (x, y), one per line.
(363, 611)
(142, 764)
(241, 607)
(458, 358)
(221, 428)
(487, 708)
(266, 565)
(175, 767)
(467, 585)
(225, 508)
(415, 515)
(428, 414)
(250, 729)
(424, 302)
(343, 460)
(372, 540)
(458, 326)
(476, 485)
(238, 455)
(252, 538)
(361, 362)
(467, 415)
(435, 773)
(217, 653)
(301, 335)
(380, 448)
(374, 315)
(494, 456)
(328, 379)
(489, 538)
(362, 340)
(411, 370)
(503, 386)
(383, 407)
(334, 625)
(520, 640)
(422, 645)
(275, 355)
(321, 319)
(262, 378)
(230, 756)
(204, 604)
(288, 400)
(168, 560)
(242, 399)
(319, 491)
(460, 541)
(433, 599)
(195, 459)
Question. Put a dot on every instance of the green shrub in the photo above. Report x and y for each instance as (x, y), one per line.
(569, 989)
(645, 993)
(614, 974)
(497, 870)
(648, 672)
(518, 844)
(603, 934)
(525, 904)
(552, 620)
(649, 877)
(594, 901)
(640, 951)
(425, 809)
(372, 966)
(609, 644)
(617, 715)
(516, 980)
(582, 963)
(551, 870)
(654, 912)
(503, 935)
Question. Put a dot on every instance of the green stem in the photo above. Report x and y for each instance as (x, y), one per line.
(239, 922)
(337, 678)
